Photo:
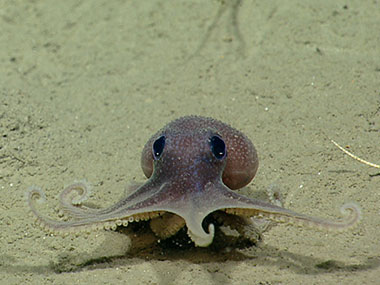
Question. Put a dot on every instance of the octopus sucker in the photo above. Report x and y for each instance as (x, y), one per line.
(243, 212)
(193, 165)
(144, 216)
(108, 225)
(167, 225)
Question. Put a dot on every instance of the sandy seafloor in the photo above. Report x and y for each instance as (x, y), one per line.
(85, 83)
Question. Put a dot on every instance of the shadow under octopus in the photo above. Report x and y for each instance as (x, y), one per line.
(192, 166)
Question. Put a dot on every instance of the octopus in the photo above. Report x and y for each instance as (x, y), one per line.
(194, 165)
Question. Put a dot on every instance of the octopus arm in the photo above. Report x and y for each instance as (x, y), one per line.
(72, 197)
(351, 211)
(92, 221)
(244, 206)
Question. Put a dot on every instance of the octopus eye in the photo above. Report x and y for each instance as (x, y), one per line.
(218, 147)
(158, 147)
